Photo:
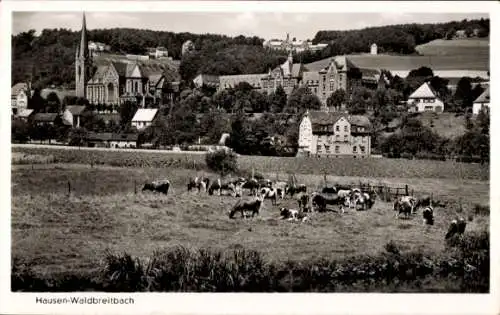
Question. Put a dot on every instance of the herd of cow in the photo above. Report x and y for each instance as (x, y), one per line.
(338, 195)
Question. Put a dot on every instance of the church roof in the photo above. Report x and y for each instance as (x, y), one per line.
(98, 75)
(484, 97)
(424, 91)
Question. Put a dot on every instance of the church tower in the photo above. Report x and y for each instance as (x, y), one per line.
(82, 63)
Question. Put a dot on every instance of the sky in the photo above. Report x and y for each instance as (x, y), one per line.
(262, 24)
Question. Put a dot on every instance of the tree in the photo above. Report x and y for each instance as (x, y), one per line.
(20, 131)
(53, 103)
(360, 101)
(127, 111)
(336, 99)
(36, 102)
(222, 161)
(77, 136)
(463, 93)
(301, 100)
(277, 100)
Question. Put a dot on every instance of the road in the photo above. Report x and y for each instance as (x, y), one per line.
(63, 147)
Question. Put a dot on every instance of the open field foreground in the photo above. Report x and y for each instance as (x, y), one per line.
(56, 234)
(371, 167)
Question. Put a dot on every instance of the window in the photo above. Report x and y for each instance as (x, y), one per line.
(337, 138)
(316, 90)
(332, 85)
(337, 128)
(346, 139)
(337, 149)
(362, 148)
(428, 108)
(345, 128)
(354, 149)
(318, 148)
(327, 148)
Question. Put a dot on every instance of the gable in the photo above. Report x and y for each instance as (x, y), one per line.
(111, 74)
(136, 72)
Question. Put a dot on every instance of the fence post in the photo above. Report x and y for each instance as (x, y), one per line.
(69, 188)
(135, 187)
(406, 190)
(324, 178)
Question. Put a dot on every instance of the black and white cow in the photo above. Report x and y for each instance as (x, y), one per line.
(295, 189)
(293, 215)
(219, 186)
(303, 201)
(161, 186)
(320, 201)
(457, 227)
(428, 215)
(270, 193)
(244, 206)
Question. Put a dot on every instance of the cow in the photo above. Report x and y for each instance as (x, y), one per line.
(329, 190)
(322, 200)
(280, 187)
(161, 186)
(270, 193)
(428, 215)
(366, 200)
(404, 205)
(457, 227)
(293, 215)
(303, 201)
(201, 183)
(252, 185)
(219, 186)
(294, 189)
(244, 206)
(423, 202)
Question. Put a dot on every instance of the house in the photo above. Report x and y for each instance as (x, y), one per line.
(72, 115)
(41, 119)
(26, 114)
(483, 101)
(20, 94)
(334, 134)
(111, 140)
(424, 99)
(207, 80)
(373, 49)
(144, 117)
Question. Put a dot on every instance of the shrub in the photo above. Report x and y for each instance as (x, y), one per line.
(481, 210)
(406, 155)
(222, 161)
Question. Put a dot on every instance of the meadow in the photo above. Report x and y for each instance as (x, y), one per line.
(106, 222)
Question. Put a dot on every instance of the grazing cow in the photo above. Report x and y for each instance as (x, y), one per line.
(280, 187)
(293, 215)
(428, 215)
(201, 183)
(366, 200)
(404, 205)
(457, 227)
(244, 206)
(252, 185)
(293, 189)
(303, 201)
(322, 200)
(161, 186)
(329, 190)
(219, 186)
(270, 193)
(193, 183)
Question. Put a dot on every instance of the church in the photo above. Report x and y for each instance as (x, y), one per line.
(111, 82)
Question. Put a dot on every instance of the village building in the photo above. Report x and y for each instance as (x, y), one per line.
(72, 115)
(144, 117)
(20, 94)
(41, 119)
(294, 45)
(482, 102)
(206, 80)
(425, 99)
(373, 49)
(26, 114)
(112, 82)
(111, 140)
(334, 134)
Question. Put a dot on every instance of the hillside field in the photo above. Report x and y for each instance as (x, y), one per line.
(53, 232)
(469, 46)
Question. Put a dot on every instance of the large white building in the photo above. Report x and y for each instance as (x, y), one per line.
(144, 117)
(334, 134)
(424, 99)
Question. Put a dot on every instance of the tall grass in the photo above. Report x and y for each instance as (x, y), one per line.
(463, 267)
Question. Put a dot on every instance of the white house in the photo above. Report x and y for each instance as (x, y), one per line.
(144, 117)
(334, 134)
(483, 101)
(373, 49)
(424, 99)
(72, 115)
(19, 97)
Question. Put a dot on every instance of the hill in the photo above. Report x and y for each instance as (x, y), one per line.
(406, 63)
(469, 46)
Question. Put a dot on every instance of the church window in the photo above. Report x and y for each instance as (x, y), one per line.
(136, 89)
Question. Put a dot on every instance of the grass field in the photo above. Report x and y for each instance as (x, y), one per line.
(470, 46)
(54, 233)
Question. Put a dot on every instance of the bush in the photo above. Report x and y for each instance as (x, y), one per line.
(222, 161)
(481, 210)
(468, 159)
(407, 155)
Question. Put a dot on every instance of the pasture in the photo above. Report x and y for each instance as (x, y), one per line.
(469, 46)
(56, 233)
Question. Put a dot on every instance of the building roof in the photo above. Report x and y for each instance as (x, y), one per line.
(25, 113)
(424, 91)
(45, 117)
(233, 80)
(329, 118)
(18, 87)
(75, 109)
(484, 97)
(209, 79)
(145, 114)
